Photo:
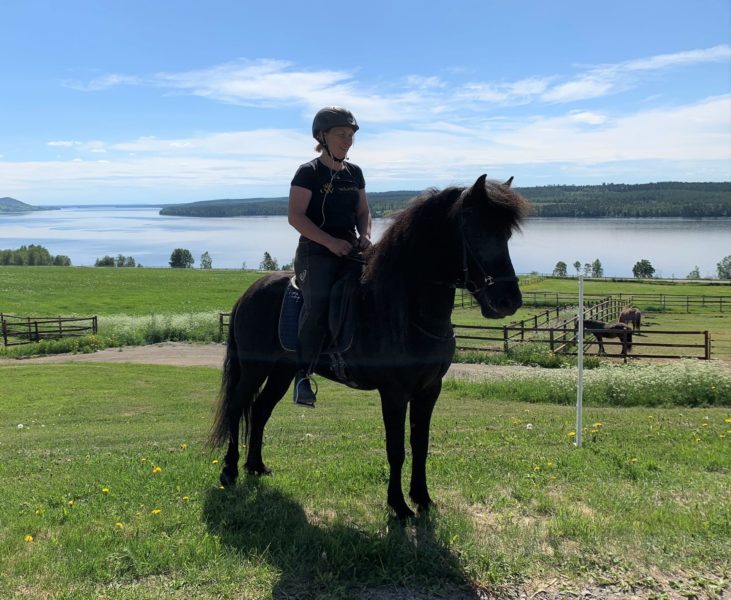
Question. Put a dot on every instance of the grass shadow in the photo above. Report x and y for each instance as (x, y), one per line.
(261, 523)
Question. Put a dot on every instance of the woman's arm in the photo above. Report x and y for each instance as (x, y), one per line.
(363, 220)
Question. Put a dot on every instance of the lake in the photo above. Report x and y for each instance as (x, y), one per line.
(673, 246)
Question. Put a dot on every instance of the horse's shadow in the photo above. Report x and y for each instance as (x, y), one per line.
(260, 523)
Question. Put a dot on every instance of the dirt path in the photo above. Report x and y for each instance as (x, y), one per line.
(210, 355)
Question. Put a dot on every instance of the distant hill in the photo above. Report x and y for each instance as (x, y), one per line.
(663, 199)
(11, 205)
(382, 203)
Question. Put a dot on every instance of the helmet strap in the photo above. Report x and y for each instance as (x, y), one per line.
(323, 143)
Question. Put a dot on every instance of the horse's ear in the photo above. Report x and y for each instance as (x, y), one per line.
(509, 182)
(477, 193)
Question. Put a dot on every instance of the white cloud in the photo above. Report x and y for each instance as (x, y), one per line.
(105, 82)
(64, 143)
(264, 160)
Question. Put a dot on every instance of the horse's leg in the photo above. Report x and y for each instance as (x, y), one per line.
(599, 339)
(420, 414)
(241, 397)
(393, 405)
(276, 386)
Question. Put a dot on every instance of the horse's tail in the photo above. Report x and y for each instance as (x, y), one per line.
(227, 396)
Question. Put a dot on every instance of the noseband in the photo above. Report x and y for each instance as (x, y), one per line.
(475, 287)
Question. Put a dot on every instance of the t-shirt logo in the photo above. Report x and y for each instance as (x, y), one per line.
(327, 188)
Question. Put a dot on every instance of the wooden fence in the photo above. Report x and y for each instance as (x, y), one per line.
(645, 301)
(25, 330)
(559, 334)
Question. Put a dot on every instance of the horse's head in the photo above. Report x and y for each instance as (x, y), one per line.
(488, 214)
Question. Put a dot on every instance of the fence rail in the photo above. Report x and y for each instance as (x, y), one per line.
(559, 334)
(26, 330)
(646, 301)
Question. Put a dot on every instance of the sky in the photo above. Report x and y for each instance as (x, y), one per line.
(147, 102)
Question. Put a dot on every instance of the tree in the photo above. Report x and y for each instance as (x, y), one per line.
(181, 259)
(724, 268)
(206, 261)
(120, 260)
(268, 263)
(596, 269)
(643, 269)
(130, 262)
(107, 261)
(694, 274)
(577, 266)
(560, 269)
(587, 269)
(61, 261)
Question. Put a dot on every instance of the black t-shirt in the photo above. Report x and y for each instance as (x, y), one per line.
(335, 195)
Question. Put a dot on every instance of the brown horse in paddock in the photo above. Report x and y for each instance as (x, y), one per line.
(602, 330)
(631, 316)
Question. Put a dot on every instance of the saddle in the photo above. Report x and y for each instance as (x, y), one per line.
(341, 324)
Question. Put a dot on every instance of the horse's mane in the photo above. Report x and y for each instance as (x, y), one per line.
(422, 235)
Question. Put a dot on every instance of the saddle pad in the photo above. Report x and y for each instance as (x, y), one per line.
(289, 317)
(342, 327)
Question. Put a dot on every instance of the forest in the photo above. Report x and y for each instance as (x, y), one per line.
(647, 200)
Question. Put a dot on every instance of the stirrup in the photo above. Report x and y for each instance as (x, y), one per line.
(303, 394)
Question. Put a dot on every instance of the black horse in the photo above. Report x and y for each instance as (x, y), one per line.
(403, 342)
(602, 330)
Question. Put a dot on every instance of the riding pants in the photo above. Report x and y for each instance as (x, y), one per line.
(316, 270)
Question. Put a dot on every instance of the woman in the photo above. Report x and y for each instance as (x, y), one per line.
(329, 208)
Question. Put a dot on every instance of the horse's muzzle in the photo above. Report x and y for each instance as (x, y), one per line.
(497, 306)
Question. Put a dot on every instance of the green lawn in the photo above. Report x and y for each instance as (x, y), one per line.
(109, 492)
(67, 291)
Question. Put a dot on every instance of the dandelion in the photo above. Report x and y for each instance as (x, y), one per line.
(727, 420)
(529, 426)
(119, 525)
(183, 446)
(186, 498)
(155, 511)
(598, 425)
(156, 470)
(214, 461)
(572, 434)
(536, 468)
(105, 490)
(20, 426)
(71, 502)
(28, 538)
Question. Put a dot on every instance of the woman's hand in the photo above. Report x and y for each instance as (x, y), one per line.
(339, 247)
(364, 242)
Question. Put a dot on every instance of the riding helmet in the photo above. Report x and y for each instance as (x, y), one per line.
(333, 116)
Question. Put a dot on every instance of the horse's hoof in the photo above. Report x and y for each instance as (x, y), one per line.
(258, 470)
(227, 480)
(403, 512)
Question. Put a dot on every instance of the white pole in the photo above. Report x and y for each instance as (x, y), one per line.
(580, 363)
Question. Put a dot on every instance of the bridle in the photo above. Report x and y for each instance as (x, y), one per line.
(466, 281)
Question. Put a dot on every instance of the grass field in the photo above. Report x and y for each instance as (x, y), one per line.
(109, 492)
